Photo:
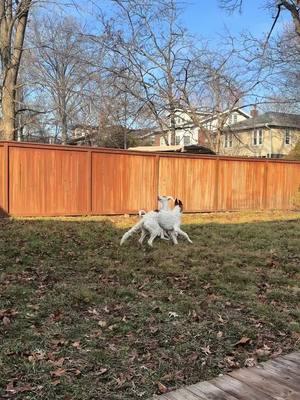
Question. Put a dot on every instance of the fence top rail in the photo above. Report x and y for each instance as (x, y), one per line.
(139, 153)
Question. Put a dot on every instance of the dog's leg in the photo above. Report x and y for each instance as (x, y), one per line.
(152, 237)
(174, 237)
(184, 234)
(143, 235)
(131, 231)
(162, 235)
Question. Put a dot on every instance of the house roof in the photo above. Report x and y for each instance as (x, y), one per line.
(177, 148)
(271, 118)
(214, 116)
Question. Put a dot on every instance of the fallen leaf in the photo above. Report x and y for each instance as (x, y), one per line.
(59, 372)
(250, 362)
(18, 389)
(121, 380)
(59, 342)
(173, 314)
(102, 371)
(195, 316)
(277, 353)
(193, 357)
(162, 388)
(112, 347)
(262, 352)
(220, 318)
(219, 334)
(179, 375)
(6, 321)
(57, 363)
(103, 324)
(76, 344)
(231, 362)
(206, 350)
(242, 341)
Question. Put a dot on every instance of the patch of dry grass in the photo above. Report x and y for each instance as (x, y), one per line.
(83, 318)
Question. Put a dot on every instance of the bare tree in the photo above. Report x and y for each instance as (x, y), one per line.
(13, 23)
(61, 69)
(150, 49)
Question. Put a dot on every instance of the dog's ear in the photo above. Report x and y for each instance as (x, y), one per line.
(176, 202)
(180, 205)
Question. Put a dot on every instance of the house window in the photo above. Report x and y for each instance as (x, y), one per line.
(177, 141)
(258, 137)
(178, 121)
(186, 140)
(287, 137)
(235, 118)
(228, 140)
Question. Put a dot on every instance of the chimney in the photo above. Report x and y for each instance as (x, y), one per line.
(202, 137)
(254, 112)
(157, 140)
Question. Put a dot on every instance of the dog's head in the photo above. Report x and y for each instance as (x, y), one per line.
(164, 198)
(164, 201)
(179, 204)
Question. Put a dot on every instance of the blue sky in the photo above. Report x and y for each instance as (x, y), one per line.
(205, 18)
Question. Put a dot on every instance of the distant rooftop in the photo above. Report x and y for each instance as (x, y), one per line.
(196, 149)
(274, 119)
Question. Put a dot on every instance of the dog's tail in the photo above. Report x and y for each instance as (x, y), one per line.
(131, 231)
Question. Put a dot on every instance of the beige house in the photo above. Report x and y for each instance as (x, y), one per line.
(271, 135)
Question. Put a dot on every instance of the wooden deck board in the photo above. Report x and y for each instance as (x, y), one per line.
(210, 392)
(272, 380)
(240, 390)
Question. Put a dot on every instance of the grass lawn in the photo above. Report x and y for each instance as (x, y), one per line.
(83, 318)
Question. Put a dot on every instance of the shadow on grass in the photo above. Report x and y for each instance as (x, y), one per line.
(86, 318)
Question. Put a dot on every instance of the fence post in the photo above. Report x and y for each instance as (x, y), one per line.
(216, 196)
(89, 183)
(157, 157)
(6, 208)
(265, 180)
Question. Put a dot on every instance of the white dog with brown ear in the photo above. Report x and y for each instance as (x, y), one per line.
(170, 221)
(149, 223)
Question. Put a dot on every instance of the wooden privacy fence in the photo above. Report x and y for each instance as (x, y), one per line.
(46, 180)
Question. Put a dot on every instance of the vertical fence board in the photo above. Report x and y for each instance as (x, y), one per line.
(283, 184)
(241, 184)
(190, 179)
(3, 194)
(123, 183)
(47, 182)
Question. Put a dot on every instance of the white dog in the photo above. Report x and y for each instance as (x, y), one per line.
(149, 223)
(170, 221)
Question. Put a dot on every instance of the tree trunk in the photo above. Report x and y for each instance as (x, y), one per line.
(8, 108)
(11, 48)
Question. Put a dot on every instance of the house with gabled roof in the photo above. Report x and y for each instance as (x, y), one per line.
(271, 135)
